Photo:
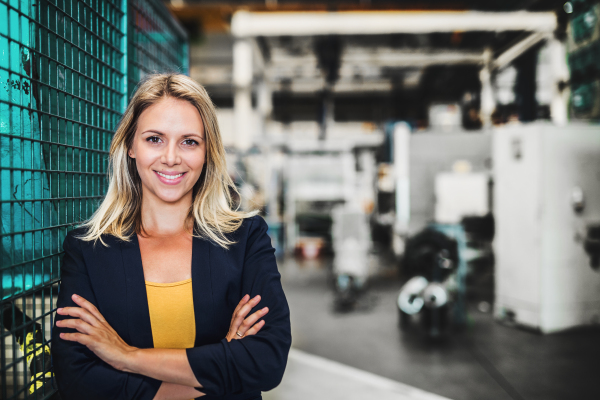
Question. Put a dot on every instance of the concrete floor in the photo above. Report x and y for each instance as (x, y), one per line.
(312, 377)
(485, 361)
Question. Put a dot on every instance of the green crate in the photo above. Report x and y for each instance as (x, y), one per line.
(584, 28)
(67, 68)
(584, 25)
(585, 100)
(581, 6)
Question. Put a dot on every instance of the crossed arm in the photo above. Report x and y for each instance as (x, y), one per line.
(170, 366)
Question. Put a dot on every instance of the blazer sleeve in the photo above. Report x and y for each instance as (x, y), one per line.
(254, 363)
(80, 374)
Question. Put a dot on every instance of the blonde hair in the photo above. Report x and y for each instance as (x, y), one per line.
(212, 207)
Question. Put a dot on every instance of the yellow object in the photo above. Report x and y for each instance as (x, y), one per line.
(171, 307)
(40, 378)
(27, 348)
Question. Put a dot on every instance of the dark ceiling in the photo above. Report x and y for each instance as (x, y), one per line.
(481, 5)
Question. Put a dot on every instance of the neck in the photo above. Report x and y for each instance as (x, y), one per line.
(165, 219)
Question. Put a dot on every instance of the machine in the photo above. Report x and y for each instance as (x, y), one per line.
(547, 209)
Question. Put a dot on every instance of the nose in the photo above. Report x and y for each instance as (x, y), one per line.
(171, 155)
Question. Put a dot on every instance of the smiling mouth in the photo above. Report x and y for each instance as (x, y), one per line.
(170, 177)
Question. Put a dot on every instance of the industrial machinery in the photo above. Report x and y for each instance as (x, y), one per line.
(438, 259)
(351, 245)
(443, 178)
(321, 175)
(547, 209)
(432, 259)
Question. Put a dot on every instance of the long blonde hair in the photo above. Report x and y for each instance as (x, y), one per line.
(212, 209)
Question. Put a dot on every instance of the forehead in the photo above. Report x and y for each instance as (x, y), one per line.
(171, 116)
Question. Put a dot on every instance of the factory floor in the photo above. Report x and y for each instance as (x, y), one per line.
(363, 354)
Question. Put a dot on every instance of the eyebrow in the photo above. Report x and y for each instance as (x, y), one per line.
(185, 136)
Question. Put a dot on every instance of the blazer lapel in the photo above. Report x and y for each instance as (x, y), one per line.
(202, 289)
(140, 330)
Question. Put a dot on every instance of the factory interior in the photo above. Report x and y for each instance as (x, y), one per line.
(430, 175)
(402, 155)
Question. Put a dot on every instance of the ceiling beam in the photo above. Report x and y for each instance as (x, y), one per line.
(412, 59)
(521, 47)
(383, 58)
(249, 24)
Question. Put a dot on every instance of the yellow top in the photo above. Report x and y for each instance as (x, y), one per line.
(171, 307)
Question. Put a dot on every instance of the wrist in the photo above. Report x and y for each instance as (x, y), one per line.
(131, 360)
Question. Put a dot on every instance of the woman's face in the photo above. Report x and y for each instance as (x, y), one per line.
(169, 149)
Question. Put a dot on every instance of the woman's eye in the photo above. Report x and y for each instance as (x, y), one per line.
(190, 142)
(153, 139)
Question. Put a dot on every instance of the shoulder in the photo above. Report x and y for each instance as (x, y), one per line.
(73, 240)
(255, 223)
(250, 228)
(75, 233)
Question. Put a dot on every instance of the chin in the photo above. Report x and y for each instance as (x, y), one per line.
(170, 198)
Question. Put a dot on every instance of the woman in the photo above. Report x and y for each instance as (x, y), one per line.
(154, 310)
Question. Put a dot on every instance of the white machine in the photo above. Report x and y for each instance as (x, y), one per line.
(460, 194)
(546, 197)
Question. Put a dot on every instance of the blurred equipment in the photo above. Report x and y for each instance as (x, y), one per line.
(547, 208)
(425, 190)
(460, 194)
(401, 158)
(410, 300)
(316, 183)
(440, 258)
(445, 117)
(351, 245)
(433, 260)
(448, 176)
(321, 175)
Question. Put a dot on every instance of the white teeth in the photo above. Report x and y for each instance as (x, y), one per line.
(169, 176)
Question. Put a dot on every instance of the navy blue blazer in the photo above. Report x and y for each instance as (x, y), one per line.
(112, 278)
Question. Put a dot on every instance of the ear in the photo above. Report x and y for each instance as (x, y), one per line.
(130, 153)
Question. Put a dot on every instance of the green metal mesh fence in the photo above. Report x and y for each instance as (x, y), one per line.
(65, 77)
(155, 42)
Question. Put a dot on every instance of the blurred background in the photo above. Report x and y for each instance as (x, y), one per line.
(429, 171)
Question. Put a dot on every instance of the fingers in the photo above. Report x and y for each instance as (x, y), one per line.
(251, 320)
(243, 301)
(242, 312)
(254, 330)
(80, 313)
(77, 324)
(76, 337)
(87, 312)
(245, 305)
(80, 301)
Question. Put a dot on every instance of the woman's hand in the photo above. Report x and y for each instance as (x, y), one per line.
(241, 326)
(94, 332)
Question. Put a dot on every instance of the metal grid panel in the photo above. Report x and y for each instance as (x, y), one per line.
(63, 87)
(155, 42)
(61, 63)
(61, 75)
